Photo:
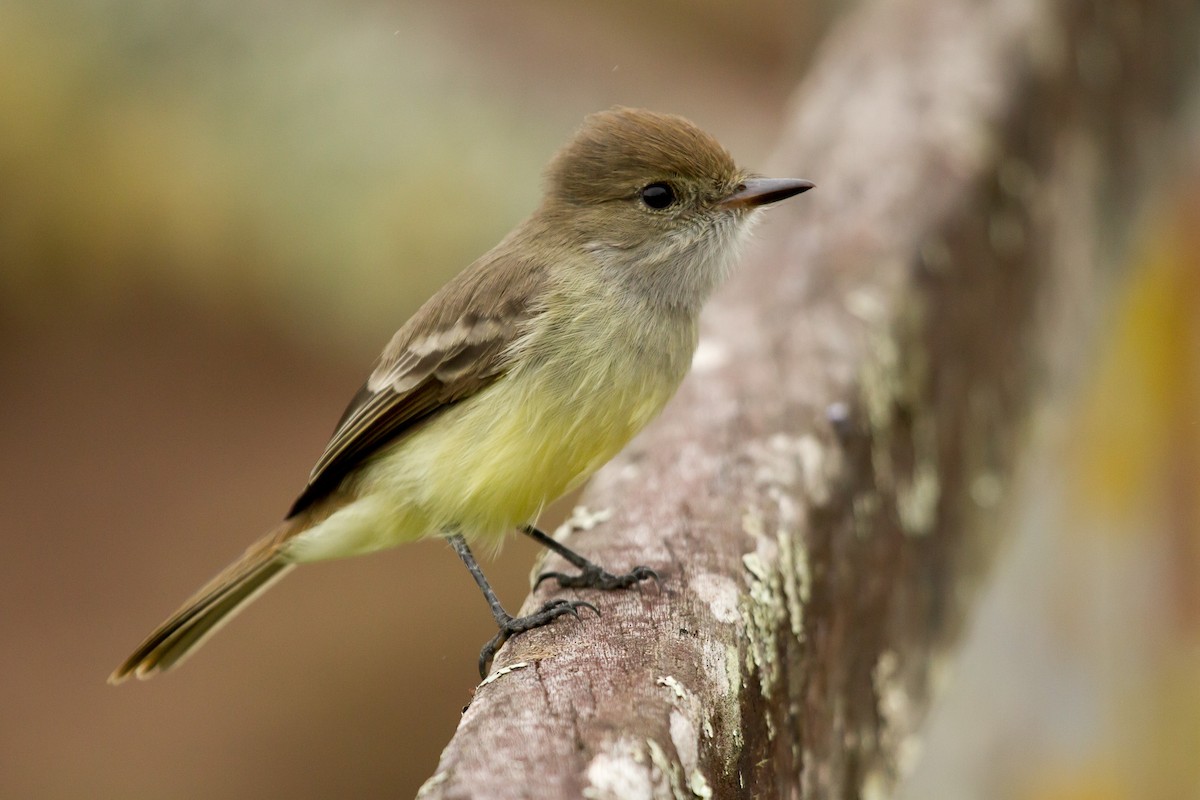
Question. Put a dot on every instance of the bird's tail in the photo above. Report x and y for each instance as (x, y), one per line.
(210, 608)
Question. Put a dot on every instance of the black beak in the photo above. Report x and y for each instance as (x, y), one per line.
(761, 191)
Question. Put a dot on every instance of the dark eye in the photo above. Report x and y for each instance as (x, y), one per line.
(658, 195)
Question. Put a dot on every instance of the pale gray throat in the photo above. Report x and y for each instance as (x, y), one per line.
(684, 274)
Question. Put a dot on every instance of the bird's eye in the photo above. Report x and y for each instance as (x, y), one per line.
(658, 195)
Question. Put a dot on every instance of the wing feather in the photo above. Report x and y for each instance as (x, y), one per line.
(457, 343)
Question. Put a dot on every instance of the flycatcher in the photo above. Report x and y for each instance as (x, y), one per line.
(519, 378)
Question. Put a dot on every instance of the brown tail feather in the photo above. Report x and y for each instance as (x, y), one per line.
(207, 610)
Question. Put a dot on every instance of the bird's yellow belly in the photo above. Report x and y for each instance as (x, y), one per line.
(500, 471)
(491, 463)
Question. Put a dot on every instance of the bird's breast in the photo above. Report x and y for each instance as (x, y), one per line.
(564, 408)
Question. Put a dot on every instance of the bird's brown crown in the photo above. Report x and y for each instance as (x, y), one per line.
(616, 152)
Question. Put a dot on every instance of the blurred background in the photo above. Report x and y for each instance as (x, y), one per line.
(213, 215)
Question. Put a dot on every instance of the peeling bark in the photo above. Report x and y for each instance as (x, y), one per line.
(820, 500)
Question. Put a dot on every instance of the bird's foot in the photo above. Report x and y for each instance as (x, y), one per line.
(595, 577)
(514, 625)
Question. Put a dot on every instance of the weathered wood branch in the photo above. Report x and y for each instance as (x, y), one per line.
(819, 498)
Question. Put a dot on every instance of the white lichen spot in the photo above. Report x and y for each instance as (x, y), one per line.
(885, 668)
(881, 384)
(502, 672)
(797, 578)
(672, 684)
(864, 509)
(668, 774)
(867, 305)
(618, 775)
(754, 566)
(793, 565)
(619, 771)
(897, 712)
(698, 785)
(627, 472)
(582, 519)
(812, 457)
(765, 547)
(762, 614)
(892, 700)
(894, 704)
(987, 490)
(752, 523)
(710, 355)
(791, 512)
(877, 785)
(917, 501)
(733, 669)
(720, 593)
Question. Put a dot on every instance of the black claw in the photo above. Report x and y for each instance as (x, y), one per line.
(586, 604)
(641, 573)
(544, 576)
(489, 650)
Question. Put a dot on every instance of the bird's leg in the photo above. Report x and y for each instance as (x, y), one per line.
(508, 624)
(591, 576)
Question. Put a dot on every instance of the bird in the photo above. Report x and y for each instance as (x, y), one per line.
(520, 377)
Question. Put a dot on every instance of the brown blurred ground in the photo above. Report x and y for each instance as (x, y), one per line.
(143, 453)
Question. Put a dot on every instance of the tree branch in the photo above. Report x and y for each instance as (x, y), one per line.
(819, 499)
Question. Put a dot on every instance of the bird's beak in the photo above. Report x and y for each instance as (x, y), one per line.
(756, 192)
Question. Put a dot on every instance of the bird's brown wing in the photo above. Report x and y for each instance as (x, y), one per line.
(455, 345)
